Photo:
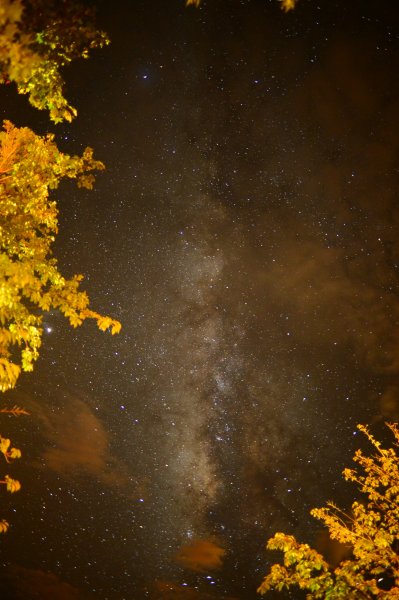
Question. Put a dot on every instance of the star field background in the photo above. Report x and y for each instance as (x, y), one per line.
(246, 235)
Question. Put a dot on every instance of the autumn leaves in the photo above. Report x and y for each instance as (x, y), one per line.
(37, 39)
(370, 531)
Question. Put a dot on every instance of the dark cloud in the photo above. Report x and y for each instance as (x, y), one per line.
(77, 443)
(201, 556)
(21, 583)
(389, 403)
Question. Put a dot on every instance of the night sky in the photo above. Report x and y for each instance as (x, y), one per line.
(245, 233)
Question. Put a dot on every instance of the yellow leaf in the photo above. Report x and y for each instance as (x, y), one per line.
(12, 484)
(15, 453)
(4, 526)
(116, 327)
(288, 5)
(4, 445)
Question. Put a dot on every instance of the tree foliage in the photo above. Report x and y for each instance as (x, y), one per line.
(286, 5)
(30, 282)
(371, 532)
(37, 39)
(12, 485)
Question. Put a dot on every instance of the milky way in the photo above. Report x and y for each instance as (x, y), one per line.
(245, 233)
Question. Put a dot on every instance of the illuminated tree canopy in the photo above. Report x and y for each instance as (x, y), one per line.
(30, 282)
(37, 39)
(286, 5)
(10, 454)
(371, 533)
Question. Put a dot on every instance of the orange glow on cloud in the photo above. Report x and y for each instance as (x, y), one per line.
(201, 556)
